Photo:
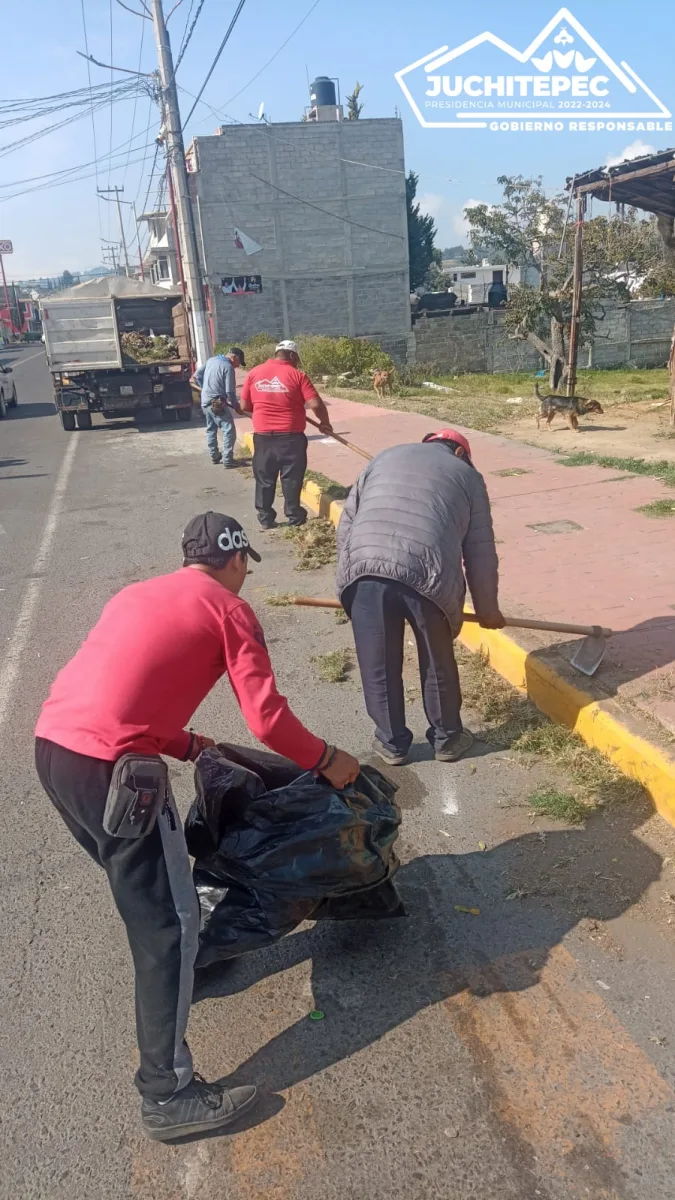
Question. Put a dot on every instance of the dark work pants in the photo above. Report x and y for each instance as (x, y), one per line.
(379, 609)
(274, 455)
(152, 886)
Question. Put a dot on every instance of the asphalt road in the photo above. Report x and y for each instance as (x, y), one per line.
(524, 1052)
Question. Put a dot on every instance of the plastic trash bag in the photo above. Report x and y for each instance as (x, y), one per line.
(274, 847)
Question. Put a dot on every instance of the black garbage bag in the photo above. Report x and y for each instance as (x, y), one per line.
(274, 846)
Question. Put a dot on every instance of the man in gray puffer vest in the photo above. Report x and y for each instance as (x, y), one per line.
(416, 519)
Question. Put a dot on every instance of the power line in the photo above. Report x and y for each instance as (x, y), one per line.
(110, 5)
(93, 122)
(276, 53)
(121, 94)
(188, 34)
(133, 116)
(212, 68)
(327, 212)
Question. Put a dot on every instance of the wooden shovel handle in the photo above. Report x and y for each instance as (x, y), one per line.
(513, 622)
(339, 438)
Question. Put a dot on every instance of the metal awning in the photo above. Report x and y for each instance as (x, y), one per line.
(647, 183)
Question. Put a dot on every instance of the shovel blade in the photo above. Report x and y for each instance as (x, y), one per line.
(588, 655)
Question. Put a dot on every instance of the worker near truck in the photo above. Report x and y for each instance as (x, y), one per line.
(124, 700)
(276, 393)
(417, 518)
(216, 380)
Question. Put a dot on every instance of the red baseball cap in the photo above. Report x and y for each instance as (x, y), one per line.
(450, 435)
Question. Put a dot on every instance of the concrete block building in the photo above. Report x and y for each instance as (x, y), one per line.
(320, 207)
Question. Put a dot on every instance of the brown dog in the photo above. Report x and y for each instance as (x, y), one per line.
(572, 407)
(382, 381)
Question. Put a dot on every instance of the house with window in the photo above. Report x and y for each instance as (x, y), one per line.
(160, 263)
(471, 284)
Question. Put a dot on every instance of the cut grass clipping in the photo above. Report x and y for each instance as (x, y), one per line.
(314, 544)
(333, 667)
(330, 487)
(658, 508)
(511, 722)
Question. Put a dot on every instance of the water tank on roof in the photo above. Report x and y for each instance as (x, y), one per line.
(322, 92)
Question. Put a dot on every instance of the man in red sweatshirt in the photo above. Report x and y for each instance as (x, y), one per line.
(156, 652)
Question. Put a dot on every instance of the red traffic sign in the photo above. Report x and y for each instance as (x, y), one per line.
(6, 247)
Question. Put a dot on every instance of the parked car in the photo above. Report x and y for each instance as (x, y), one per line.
(8, 396)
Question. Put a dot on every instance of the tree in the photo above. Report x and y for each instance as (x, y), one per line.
(354, 109)
(67, 279)
(421, 235)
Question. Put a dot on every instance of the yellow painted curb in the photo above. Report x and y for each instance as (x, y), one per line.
(594, 721)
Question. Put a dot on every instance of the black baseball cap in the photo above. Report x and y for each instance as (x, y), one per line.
(239, 352)
(212, 538)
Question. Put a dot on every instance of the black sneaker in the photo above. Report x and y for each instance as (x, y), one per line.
(457, 749)
(389, 756)
(216, 458)
(197, 1108)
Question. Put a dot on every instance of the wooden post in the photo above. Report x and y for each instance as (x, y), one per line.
(575, 323)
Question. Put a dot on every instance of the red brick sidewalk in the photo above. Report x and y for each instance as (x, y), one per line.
(571, 545)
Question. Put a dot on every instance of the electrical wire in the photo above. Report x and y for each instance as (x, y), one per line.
(276, 53)
(346, 220)
(93, 121)
(110, 5)
(133, 116)
(27, 139)
(185, 42)
(214, 64)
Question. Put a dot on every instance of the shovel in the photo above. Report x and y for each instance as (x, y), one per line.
(586, 658)
(343, 442)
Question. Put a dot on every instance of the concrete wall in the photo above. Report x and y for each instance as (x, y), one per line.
(636, 334)
(319, 275)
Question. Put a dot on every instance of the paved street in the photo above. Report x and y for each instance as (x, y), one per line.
(525, 1052)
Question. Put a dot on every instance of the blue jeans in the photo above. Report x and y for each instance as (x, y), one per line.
(224, 421)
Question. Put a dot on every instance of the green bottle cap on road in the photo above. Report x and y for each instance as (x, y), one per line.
(316, 1015)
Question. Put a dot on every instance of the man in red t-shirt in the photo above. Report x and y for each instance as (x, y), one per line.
(156, 652)
(277, 393)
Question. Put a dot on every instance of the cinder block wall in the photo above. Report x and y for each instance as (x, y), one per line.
(280, 184)
(636, 334)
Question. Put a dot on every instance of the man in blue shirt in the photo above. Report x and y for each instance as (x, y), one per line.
(217, 383)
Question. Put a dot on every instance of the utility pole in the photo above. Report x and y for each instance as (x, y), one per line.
(116, 191)
(184, 218)
(577, 284)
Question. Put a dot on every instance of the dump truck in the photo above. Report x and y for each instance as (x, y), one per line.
(118, 347)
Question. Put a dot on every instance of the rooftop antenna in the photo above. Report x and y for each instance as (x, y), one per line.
(261, 110)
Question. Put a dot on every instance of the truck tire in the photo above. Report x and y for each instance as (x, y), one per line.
(83, 420)
(67, 421)
(3, 408)
(15, 399)
(169, 415)
(184, 414)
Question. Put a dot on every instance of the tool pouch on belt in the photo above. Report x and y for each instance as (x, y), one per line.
(138, 790)
(219, 406)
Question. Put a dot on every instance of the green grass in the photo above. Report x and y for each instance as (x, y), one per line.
(562, 806)
(314, 544)
(662, 469)
(658, 508)
(333, 667)
(330, 487)
(341, 617)
(279, 599)
(479, 401)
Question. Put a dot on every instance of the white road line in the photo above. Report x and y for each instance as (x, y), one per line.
(11, 667)
(16, 366)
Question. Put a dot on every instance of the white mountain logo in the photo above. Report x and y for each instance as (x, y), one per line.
(564, 77)
(270, 385)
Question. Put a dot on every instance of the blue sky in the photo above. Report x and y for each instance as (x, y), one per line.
(58, 228)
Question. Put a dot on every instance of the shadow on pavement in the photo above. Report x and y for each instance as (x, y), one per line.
(24, 412)
(369, 977)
